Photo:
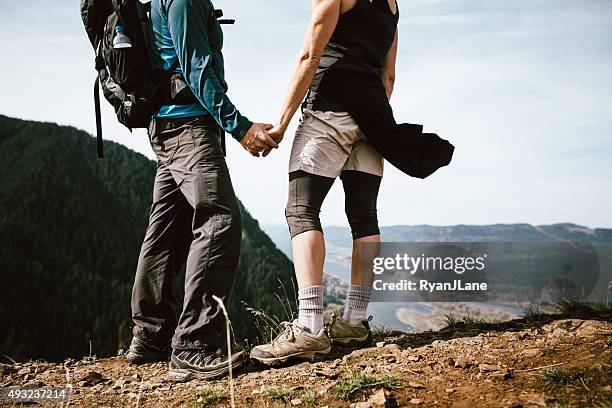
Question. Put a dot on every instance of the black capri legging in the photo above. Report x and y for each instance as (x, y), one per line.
(307, 192)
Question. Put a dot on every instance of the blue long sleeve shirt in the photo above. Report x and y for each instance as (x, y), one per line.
(186, 30)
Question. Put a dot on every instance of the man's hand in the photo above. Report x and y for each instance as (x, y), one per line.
(256, 139)
(276, 133)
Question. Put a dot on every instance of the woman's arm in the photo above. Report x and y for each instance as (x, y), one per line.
(325, 15)
(388, 72)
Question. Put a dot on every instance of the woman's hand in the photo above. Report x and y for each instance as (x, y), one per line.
(277, 133)
(257, 139)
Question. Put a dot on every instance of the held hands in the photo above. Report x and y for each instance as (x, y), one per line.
(276, 133)
(257, 139)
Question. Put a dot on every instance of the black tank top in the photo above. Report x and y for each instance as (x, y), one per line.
(360, 43)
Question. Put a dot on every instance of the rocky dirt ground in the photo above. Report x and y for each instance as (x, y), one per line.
(554, 361)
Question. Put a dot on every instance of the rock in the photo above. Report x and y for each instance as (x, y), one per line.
(24, 371)
(35, 384)
(485, 368)
(120, 383)
(521, 335)
(362, 405)
(380, 344)
(559, 333)
(92, 378)
(416, 385)
(327, 373)
(450, 390)
(378, 399)
(449, 361)
(414, 358)
(392, 346)
(391, 359)
(531, 353)
(296, 401)
(323, 390)
(359, 355)
(416, 401)
(463, 362)
(593, 327)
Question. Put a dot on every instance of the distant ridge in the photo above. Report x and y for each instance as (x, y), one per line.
(341, 236)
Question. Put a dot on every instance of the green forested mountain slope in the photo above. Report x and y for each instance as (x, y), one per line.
(70, 231)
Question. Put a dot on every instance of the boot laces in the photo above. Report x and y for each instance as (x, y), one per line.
(286, 333)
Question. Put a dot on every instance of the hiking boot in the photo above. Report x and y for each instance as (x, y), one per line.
(186, 365)
(344, 334)
(141, 352)
(294, 342)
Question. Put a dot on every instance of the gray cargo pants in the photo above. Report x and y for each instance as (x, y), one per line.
(195, 217)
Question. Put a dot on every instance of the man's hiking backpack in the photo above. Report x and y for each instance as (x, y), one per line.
(130, 77)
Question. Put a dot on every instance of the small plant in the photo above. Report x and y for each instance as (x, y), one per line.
(453, 321)
(275, 394)
(575, 307)
(531, 311)
(554, 375)
(356, 384)
(206, 397)
(270, 326)
(309, 397)
(471, 321)
(381, 331)
(450, 320)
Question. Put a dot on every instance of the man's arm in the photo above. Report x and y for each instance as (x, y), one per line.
(388, 72)
(325, 15)
(187, 23)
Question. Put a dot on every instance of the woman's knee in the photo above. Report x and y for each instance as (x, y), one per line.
(361, 193)
(306, 194)
(302, 218)
(363, 221)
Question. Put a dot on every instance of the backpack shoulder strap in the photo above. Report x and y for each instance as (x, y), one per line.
(98, 117)
(100, 65)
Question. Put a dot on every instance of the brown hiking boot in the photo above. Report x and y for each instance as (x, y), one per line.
(294, 342)
(344, 334)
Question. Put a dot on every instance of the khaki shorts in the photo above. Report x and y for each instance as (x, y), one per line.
(326, 143)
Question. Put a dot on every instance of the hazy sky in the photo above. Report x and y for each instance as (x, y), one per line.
(522, 88)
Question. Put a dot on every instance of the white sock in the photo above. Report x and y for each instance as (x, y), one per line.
(356, 308)
(310, 309)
